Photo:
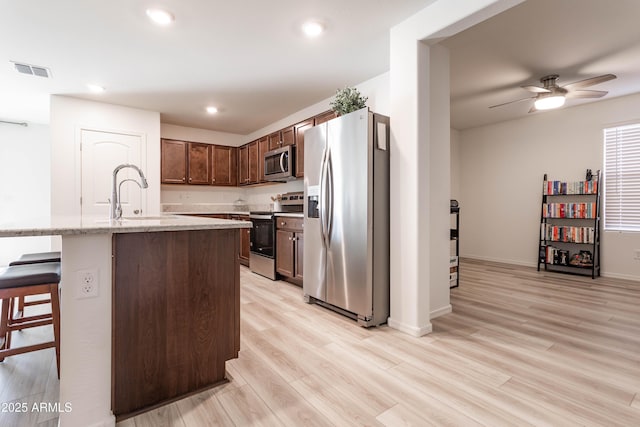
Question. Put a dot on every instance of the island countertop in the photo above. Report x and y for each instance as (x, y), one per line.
(74, 225)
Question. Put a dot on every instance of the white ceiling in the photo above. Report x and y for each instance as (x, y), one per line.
(576, 39)
(248, 58)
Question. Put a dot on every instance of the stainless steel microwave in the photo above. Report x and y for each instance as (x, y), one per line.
(279, 164)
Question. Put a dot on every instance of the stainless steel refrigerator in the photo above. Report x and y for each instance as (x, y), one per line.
(346, 216)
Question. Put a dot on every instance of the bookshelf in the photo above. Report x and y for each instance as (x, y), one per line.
(454, 257)
(570, 226)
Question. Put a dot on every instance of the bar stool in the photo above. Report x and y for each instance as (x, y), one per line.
(34, 258)
(26, 280)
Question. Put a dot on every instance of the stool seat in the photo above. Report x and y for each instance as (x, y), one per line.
(37, 258)
(19, 281)
(30, 274)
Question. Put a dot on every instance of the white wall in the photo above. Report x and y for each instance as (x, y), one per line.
(68, 115)
(419, 195)
(455, 163)
(184, 133)
(501, 171)
(25, 157)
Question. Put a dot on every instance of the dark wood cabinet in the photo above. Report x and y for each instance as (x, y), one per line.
(325, 117)
(243, 165)
(288, 136)
(263, 147)
(244, 240)
(275, 140)
(223, 165)
(299, 130)
(285, 253)
(198, 163)
(173, 161)
(253, 162)
(289, 248)
(176, 315)
(299, 255)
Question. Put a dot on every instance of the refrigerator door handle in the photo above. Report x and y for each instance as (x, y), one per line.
(330, 197)
(323, 198)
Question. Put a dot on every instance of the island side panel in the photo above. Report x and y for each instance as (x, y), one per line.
(175, 315)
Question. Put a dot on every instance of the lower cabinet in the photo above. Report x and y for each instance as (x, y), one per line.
(289, 248)
(245, 234)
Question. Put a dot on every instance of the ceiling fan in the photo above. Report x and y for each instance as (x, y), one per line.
(550, 95)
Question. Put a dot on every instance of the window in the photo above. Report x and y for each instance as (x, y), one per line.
(622, 178)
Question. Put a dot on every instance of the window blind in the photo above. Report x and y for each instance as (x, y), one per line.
(622, 178)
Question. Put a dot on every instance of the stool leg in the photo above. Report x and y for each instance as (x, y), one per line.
(20, 307)
(3, 324)
(55, 311)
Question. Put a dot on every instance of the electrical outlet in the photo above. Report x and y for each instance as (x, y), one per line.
(87, 284)
(637, 257)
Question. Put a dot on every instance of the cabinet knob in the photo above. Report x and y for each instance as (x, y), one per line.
(190, 179)
(184, 179)
(283, 223)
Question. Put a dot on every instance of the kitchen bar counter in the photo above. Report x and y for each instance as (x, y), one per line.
(64, 226)
(180, 273)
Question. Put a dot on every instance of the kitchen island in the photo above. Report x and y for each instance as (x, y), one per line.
(161, 321)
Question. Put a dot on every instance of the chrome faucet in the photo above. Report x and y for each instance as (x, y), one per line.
(115, 211)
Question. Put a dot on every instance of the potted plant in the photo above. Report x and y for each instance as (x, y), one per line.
(348, 100)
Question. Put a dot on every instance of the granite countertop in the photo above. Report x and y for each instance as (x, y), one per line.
(99, 225)
(290, 214)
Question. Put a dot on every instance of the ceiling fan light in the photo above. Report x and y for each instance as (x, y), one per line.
(549, 102)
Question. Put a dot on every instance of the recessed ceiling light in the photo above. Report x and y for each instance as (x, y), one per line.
(160, 16)
(212, 110)
(312, 28)
(95, 88)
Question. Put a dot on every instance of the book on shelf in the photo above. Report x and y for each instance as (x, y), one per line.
(559, 188)
(569, 210)
(569, 234)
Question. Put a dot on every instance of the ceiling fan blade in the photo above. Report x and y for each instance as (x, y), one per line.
(512, 102)
(589, 82)
(586, 94)
(535, 89)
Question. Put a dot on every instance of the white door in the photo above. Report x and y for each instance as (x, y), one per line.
(102, 151)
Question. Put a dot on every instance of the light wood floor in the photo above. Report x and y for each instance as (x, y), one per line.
(520, 348)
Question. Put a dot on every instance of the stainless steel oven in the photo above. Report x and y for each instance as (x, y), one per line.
(278, 164)
(263, 242)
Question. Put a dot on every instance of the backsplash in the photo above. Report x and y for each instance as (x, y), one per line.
(205, 199)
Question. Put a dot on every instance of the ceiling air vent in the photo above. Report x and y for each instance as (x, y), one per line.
(33, 70)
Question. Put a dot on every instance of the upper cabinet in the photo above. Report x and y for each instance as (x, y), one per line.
(224, 165)
(243, 165)
(253, 162)
(299, 130)
(325, 117)
(275, 140)
(207, 164)
(173, 159)
(198, 163)
(263, 147)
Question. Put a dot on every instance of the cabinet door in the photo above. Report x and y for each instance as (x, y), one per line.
(284, 252)
(173, 161)
(253, 162)
(288, 136)
(244, 245)
(223, 164)
(243, 165)
(325, 117)
(300, 128)
(263, 147)
(275, 140)
(199, 163)
(299, 255)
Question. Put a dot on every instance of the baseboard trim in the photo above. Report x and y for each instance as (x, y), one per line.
(498, 260)
(409, 329)
(620, 276)
(441, 311)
